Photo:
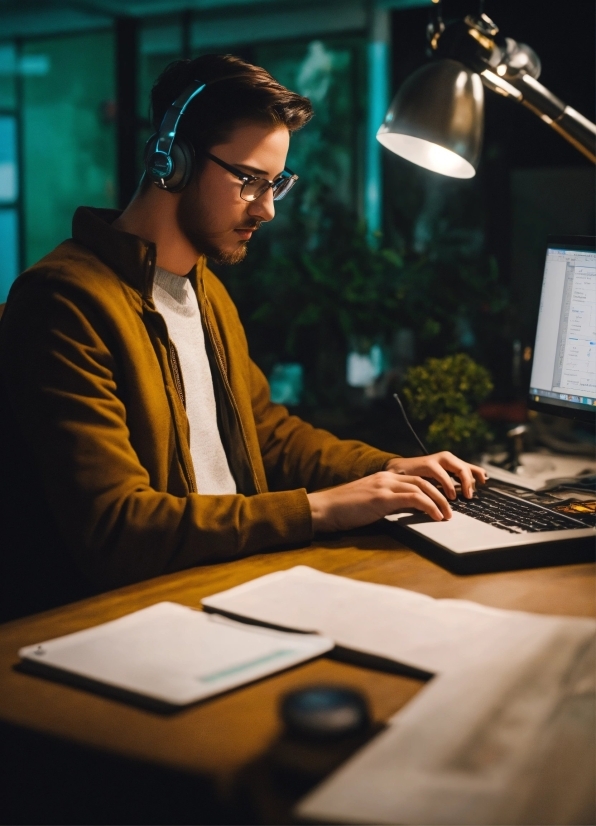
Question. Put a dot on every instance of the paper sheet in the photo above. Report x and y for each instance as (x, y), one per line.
(433, 635)
(174, 654)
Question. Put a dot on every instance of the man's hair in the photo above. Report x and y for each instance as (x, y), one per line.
(254, 97)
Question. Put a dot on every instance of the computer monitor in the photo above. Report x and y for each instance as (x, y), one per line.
(563, 380)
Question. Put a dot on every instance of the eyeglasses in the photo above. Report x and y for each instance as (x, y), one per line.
(253, 187)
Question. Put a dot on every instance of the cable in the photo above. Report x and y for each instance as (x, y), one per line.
(407, 421)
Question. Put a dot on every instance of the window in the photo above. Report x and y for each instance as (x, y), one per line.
(9, 183)
(69, 141)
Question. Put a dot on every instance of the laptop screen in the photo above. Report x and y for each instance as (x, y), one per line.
(563, 380)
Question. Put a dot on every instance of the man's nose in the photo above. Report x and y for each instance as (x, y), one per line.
(263, 207)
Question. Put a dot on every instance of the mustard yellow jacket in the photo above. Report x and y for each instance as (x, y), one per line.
(98, 487)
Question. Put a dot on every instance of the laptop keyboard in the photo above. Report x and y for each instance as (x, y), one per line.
(510, 514)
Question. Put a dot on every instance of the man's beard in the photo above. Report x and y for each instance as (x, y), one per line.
(203, 242)
(219, 256)
(207, 247)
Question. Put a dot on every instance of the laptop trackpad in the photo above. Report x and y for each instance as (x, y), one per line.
(459, 534)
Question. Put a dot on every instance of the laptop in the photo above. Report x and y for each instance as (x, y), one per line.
(503, 527)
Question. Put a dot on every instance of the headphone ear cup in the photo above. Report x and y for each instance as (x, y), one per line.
(183, 163)
(147, 154)
(183, 159)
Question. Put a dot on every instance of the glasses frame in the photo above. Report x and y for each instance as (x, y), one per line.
(286, 175)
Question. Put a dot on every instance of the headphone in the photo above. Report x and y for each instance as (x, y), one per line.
(169, 159)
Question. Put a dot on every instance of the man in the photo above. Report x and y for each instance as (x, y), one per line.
(138, 437)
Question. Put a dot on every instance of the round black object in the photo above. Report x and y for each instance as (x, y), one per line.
(325, 712)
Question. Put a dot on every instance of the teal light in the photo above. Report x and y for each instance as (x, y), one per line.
(8, 243)
(378, 98)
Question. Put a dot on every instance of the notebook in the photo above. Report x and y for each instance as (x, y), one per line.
(169, 655)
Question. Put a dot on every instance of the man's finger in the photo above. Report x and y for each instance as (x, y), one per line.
(423, 503)
(463, 471)
(468, 483)
(435, 494)
(430, 491)
(479, 473)
(446, 482)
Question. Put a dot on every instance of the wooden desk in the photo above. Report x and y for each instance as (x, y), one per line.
(215, 740)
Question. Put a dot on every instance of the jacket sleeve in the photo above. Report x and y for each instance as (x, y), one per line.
(297, 455)
(67, 405)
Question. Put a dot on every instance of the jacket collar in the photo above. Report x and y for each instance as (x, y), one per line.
(132, 258)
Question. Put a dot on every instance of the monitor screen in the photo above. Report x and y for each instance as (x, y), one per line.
(563, 380)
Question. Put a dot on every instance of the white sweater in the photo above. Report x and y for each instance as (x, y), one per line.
(175, 299)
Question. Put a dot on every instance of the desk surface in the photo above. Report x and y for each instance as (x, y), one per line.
(220, 736)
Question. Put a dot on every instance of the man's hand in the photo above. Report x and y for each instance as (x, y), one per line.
(366, 500)
(397, 487)
(438, 466)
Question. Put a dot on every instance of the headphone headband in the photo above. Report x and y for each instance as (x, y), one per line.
(167, 130)
(160, 163)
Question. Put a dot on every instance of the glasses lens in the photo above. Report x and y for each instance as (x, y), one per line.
(281, 189)
(254, 189)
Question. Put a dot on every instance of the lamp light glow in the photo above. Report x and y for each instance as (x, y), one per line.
(428, 155)
(436, 119)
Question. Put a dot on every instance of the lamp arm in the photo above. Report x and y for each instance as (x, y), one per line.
(525, 89)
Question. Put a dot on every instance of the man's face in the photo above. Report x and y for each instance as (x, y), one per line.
(211, 212)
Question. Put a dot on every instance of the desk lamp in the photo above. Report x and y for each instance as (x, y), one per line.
(436, 118)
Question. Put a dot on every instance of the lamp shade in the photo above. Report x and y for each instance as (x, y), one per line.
(436, 119)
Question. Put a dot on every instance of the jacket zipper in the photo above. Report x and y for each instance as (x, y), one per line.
(176, 372)
(221, 365)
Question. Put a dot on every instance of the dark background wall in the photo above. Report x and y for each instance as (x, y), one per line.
(530, 182)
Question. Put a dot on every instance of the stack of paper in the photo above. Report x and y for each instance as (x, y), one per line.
(503, 734)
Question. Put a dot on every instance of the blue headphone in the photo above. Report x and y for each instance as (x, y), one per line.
(169, 159)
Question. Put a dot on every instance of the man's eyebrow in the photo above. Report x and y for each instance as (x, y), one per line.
(253, 170)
